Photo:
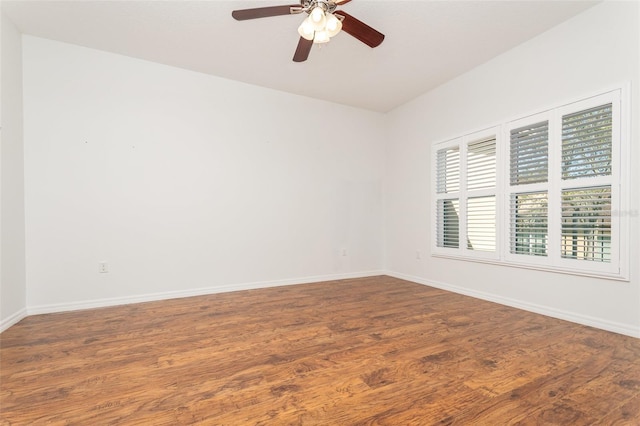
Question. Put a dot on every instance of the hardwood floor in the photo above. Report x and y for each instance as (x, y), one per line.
(373, 351)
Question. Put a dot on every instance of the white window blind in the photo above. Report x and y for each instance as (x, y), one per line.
(529, 223)
(448, 223)
(586, 224)
(586, 143)
(448, 166)
(481, 223)
(529, 153)
(481, 164)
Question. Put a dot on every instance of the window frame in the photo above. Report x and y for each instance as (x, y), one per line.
(618, 268)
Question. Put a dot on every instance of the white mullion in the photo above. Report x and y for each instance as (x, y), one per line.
(462, 200)
(529, 187)
(618, 224)
(435, 197)
(619, 229)
(588, 182)
(486, 192)
(501, 155)
(508, 191)
(554, 208)
(621, 167)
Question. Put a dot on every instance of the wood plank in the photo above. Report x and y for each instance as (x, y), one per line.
(375, 350)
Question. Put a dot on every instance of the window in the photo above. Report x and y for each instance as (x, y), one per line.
(529, 154)
(448, 223)
(466, 193)
(586, 224)
(529, 225)
(586, 212)
(448, 182)
(541, 191)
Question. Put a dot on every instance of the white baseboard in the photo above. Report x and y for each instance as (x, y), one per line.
(600, 323)
(151, 297)
(13, 319)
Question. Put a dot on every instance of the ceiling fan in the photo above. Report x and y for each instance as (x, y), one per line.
(322, 23)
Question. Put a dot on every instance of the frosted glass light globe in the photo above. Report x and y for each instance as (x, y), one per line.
(317, 18)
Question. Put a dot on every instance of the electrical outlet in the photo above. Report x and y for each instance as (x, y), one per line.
(418, 255)
(344, 252)
(103, 267)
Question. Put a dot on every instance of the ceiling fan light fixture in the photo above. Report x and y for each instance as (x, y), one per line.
(306, 29)
(321, 37)
(334, 25)
(318, 18)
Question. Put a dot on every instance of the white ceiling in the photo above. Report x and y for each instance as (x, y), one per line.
(427, 42)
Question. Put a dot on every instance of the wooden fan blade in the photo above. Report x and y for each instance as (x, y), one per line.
(263, 12)
(303, 50)
(360, 30)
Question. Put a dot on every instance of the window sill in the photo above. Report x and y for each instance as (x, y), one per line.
(536, 267)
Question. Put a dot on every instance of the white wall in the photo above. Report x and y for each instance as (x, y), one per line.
(591, 52)
(187, 183)
(12, 227)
